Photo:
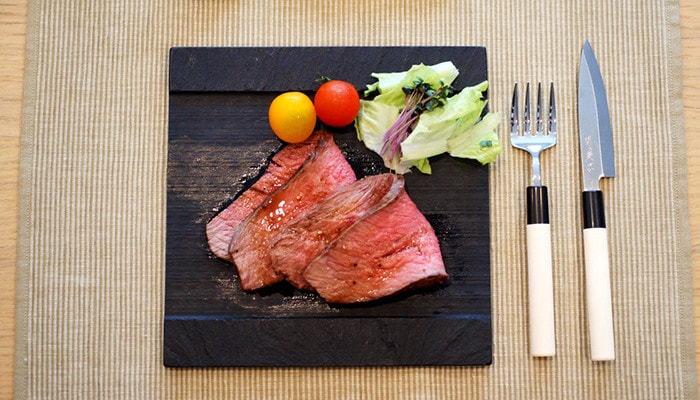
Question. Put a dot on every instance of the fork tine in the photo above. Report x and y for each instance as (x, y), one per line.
(526, 122)
(552, 112)
(514, 124)
(538, 113)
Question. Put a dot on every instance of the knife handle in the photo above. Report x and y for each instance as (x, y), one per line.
(539, 274)
(597, 263)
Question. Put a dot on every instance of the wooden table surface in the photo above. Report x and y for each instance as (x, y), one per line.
(13, 15)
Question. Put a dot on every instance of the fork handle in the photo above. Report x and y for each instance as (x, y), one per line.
(539, 274)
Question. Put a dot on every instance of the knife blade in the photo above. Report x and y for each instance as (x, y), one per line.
(597, 161)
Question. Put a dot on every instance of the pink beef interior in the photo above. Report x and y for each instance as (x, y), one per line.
(300, 242)
(392, 250)
(281, 168)
(309, 221)
(324, 172)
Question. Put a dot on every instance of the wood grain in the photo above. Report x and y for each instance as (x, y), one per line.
(690, 32)
(12, 40)
(13, 15)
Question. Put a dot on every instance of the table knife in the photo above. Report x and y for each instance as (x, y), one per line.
(597, 161)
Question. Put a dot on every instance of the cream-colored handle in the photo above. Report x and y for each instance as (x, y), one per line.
(540, 291)
(598, 295)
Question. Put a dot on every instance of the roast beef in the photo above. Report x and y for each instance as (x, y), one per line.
(300, 242)
(322, 173)
(392, 249)
(281, 167)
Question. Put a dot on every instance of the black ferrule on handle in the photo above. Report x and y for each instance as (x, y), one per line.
(537, 205)
(593, 209)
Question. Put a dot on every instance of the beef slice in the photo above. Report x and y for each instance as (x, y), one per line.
(322, 173)
(282, 166)
(300, 242)
(392, 250)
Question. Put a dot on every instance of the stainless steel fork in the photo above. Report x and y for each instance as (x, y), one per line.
(539, 242)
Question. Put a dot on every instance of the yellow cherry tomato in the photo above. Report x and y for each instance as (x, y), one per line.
(292, 117)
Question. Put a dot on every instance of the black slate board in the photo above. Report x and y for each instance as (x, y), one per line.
(219, 140)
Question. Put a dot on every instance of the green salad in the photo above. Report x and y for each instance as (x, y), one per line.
(417, 114)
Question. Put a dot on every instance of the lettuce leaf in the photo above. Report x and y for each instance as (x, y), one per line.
(390, 84)
(457, 128)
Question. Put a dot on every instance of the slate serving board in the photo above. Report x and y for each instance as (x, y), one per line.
(219, 141)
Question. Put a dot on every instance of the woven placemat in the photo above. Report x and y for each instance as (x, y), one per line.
(93, 173)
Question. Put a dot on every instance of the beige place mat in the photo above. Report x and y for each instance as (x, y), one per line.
(92, 230)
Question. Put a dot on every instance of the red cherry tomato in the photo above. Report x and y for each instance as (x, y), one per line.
(337, 103)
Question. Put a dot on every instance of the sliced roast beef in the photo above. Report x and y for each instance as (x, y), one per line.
(391, 250)
(281, 167)
(300, 242)
(322, 173)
